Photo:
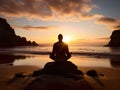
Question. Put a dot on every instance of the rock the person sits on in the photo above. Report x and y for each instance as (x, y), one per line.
(60, 68)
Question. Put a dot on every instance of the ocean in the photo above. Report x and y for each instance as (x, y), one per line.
(95, 56)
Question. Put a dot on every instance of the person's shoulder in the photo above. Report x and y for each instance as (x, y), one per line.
(55, 43)
(65, 43)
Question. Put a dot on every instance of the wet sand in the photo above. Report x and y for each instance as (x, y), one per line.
(110, 80)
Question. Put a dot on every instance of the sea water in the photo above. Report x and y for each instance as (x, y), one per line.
(95, 56)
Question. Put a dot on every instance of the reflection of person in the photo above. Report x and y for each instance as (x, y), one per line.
(60, 50)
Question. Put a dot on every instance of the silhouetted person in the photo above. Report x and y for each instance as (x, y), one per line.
(60, 50)
(60, 54)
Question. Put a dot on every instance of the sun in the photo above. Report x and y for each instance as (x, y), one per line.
(67, 39)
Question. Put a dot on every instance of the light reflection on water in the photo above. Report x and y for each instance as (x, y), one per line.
(90, 61)
(37, 60)
(97, 56)
(41, 60)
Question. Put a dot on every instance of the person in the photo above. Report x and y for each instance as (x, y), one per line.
(60, 50)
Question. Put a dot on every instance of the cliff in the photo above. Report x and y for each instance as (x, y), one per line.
(115, 39)
(8, 37)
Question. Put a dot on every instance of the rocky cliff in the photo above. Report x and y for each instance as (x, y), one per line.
(8, 37)
(115, 39)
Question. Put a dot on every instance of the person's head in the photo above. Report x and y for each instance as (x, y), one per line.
(60, 37)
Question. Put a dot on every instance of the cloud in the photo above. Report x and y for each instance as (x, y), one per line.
(112, 23)
(48, 9)
(93, 41)
(35, 28)
(24, 8)
(116, 27)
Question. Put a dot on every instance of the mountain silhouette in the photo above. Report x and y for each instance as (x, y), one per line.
(8, 38)
(114, 39)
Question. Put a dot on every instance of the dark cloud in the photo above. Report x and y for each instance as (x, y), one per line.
(48, 9)
(23, 8)
(117, 27)
(69, 6)
(110, 22)
(36, 28)
(107, 20)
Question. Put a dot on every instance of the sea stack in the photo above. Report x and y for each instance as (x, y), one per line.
(8, 38)
(114, 39)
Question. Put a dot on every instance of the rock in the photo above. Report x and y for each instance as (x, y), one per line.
(115, 39)
(4, 58)
(60, 68)
(8, 38)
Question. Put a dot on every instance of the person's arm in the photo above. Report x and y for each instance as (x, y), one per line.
(67, 52)
(53, 52)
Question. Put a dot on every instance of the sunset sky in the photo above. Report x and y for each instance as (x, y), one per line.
(79, 20)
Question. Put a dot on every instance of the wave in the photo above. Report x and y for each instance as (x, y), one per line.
(95, 54)
(98, 54)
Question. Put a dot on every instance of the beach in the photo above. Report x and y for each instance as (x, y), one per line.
(27, 60)
(110, 80)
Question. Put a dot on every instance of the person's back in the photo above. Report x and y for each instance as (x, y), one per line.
(60, 50)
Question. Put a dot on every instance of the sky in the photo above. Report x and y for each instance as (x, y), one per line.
(80, 21)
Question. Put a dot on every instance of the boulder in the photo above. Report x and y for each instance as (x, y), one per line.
(60, 68)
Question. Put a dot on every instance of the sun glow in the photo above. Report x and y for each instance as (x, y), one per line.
(67, 39)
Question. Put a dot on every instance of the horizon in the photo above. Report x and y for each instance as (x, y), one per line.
(82, 42)
(82, 22)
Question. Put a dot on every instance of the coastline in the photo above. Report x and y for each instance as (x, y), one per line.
(110, 80)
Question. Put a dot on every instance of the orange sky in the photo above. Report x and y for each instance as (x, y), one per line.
(43, 20)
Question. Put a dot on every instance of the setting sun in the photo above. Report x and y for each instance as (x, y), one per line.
(67, 39)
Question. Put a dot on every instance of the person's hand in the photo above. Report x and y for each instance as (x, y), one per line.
(49, 53)
(70, 54)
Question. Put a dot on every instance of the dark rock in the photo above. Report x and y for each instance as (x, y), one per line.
(60, 68)
(19, 75)
(115, 39)
(7, 58)
(37, 73)
(8, 38)
(92, 73)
